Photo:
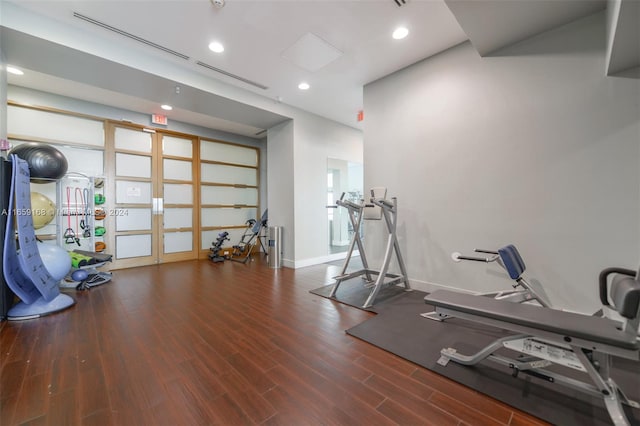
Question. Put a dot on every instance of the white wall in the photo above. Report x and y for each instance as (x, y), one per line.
(533, 146)
(316, 140)
(280, 178)
(3, 97)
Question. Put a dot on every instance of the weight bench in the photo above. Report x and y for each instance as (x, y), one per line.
(550, 337)
(508, 257)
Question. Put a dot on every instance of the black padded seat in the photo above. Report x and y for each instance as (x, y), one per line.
(596, 329)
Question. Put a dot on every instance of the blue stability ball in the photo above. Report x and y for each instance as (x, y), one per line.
(55, 259)
(46, 163)
(79, 275)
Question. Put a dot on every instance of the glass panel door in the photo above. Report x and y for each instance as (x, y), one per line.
(177, 199)
(153, 212)
(132, 206)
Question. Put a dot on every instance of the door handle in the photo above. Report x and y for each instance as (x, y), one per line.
(157, 206)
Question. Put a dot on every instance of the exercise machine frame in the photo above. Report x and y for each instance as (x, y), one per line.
(251, 236)
(390, 213)
(581, 342)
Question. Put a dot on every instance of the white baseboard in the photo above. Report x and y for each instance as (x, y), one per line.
(430, 287)
(323, 259)
(288, 263)
(425, 286)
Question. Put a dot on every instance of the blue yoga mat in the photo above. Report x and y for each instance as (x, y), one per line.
(25, 273)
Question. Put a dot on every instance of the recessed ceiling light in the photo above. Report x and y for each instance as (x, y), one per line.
(303, 86)
(216, 46)
(166, 107)
(14, 70)
(400, 33)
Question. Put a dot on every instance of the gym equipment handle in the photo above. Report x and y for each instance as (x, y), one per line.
(485, 251)
(335, 206)
(602, 281)
(457, 257)
(348, 204)
(381, 202)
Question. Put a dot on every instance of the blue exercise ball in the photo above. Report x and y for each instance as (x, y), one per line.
(79, 275)
(46, 163)
(55, 259)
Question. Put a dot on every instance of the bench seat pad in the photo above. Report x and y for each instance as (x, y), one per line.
(596, 329)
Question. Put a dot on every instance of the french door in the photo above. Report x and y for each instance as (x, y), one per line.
(152, 205)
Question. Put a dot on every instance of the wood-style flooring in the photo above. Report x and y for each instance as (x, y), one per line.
(198, 343)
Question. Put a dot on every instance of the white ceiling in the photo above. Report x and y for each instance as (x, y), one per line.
(494, 24)
(345, 45)
(256, 33)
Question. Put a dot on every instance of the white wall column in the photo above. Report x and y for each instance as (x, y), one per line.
(535, 147)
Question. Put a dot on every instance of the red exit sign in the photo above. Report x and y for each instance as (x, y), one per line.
(159, 119)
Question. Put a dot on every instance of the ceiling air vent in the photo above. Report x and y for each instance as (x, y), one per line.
(228, 74)
(400, 3)
(129, 35)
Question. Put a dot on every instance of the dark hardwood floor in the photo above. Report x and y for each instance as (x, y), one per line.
(198, 343)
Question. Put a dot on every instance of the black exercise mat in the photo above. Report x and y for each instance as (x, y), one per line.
(399, 329)
(353, 293)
